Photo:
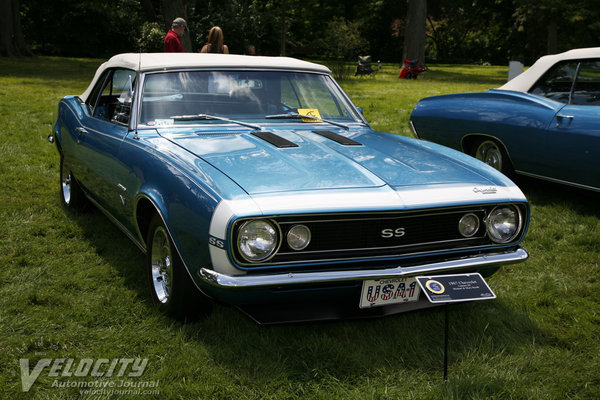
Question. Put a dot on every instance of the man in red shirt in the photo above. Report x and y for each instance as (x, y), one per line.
(172, 42)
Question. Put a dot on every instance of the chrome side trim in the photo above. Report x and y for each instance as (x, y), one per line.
(118, 224)
(265, 280)
(413, 129)
(553, 180)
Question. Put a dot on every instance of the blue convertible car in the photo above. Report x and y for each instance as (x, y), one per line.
(544, 123)
(256, 182)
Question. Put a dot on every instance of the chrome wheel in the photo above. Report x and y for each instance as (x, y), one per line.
(71, 194)
(172, 290)
(66, 188)
(489, 152)
(161, 264)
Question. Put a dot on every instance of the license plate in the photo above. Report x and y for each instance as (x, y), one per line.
(382, 292)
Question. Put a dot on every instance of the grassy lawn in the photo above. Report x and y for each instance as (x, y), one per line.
(73, 287)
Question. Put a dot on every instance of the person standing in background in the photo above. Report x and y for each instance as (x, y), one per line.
(172, 41)
(215, 42)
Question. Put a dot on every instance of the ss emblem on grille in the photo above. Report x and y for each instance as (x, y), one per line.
(392, 233)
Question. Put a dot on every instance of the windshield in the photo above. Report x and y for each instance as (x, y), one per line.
(188, 97)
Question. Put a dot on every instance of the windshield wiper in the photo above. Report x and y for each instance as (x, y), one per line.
(198, 117)
(295, 115)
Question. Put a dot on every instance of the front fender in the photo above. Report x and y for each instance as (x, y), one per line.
(185, 191)
(186, 219)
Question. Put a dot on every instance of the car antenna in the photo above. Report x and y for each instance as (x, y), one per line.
(135, 132)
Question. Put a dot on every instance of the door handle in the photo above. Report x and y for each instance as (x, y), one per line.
(560, 118)
(80, 133)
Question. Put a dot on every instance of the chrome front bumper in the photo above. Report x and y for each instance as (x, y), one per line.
(264, 280)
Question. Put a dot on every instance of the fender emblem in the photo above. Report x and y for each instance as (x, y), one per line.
(487, 190)
(219, 243)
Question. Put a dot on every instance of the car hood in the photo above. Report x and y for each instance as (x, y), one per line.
(292, 160)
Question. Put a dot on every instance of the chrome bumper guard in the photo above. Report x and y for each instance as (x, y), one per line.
(264, 280)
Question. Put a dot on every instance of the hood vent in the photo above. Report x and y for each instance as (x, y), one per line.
(343, 140)
(275, 140)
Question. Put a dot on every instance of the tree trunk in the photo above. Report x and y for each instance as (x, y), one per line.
(414, 34)
(283, 27)
(148, 10)
(172, 9)
(552, 36)
(12, 42)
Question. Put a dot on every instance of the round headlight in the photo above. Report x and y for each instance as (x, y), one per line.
(257, 240)
(503, 224)
(468, 225)
(298, 237)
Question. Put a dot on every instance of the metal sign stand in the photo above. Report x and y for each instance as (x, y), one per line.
(446, 343)
(446, 289)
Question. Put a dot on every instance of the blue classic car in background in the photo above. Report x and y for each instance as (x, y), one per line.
(256, 182)
(544, 123)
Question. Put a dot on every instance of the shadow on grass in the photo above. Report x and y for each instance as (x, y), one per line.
(544, 193)
(114, 247)
(397, 347)
(345, 350)
(463, 74)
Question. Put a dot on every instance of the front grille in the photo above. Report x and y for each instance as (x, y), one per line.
(376, 235)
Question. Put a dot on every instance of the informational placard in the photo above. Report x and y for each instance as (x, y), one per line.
(310, 112)
(455, 288)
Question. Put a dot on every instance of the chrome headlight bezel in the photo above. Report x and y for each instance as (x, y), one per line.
(499, 222)
(463, 225)
(298, 237)
(253, 231)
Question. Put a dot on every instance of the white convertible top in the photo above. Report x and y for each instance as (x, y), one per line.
(524, 81)
(164, 61)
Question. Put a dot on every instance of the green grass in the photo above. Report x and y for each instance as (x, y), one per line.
(72, 286)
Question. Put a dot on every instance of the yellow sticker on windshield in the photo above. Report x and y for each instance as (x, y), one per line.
(310, 112)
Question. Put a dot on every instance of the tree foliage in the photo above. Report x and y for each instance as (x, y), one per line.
(555, 25)
(81, 28)
(151, 38)
(459, 31)
(473, 30)
(341, 42)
